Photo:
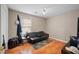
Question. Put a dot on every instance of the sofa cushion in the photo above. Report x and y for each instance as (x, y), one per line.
(72, 49)
(35, 38)
(74, 41)
(40, 34)
(78, 43)
(32, 35)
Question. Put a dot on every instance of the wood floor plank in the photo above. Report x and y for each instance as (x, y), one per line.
(54, 47)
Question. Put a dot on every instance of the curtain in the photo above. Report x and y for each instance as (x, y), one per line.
(19, 30)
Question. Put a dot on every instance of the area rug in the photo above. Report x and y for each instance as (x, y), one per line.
(41, 44)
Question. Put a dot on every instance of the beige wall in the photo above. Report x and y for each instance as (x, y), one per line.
(38, 23)
(4, 23)
(63, 26)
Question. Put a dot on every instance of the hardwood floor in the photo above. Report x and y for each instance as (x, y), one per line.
(54, 47)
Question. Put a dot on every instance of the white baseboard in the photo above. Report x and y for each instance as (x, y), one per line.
(59, 40)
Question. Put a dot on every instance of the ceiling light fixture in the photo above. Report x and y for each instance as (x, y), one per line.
(44, 11)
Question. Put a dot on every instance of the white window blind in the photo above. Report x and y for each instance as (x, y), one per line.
(26, 25)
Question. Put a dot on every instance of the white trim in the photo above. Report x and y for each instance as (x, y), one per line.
(58, 39)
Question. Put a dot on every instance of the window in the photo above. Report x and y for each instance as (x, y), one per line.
(26, 25)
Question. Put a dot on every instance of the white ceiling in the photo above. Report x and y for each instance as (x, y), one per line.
(51, 9)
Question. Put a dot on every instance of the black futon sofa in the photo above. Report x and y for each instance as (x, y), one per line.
(34, 37)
